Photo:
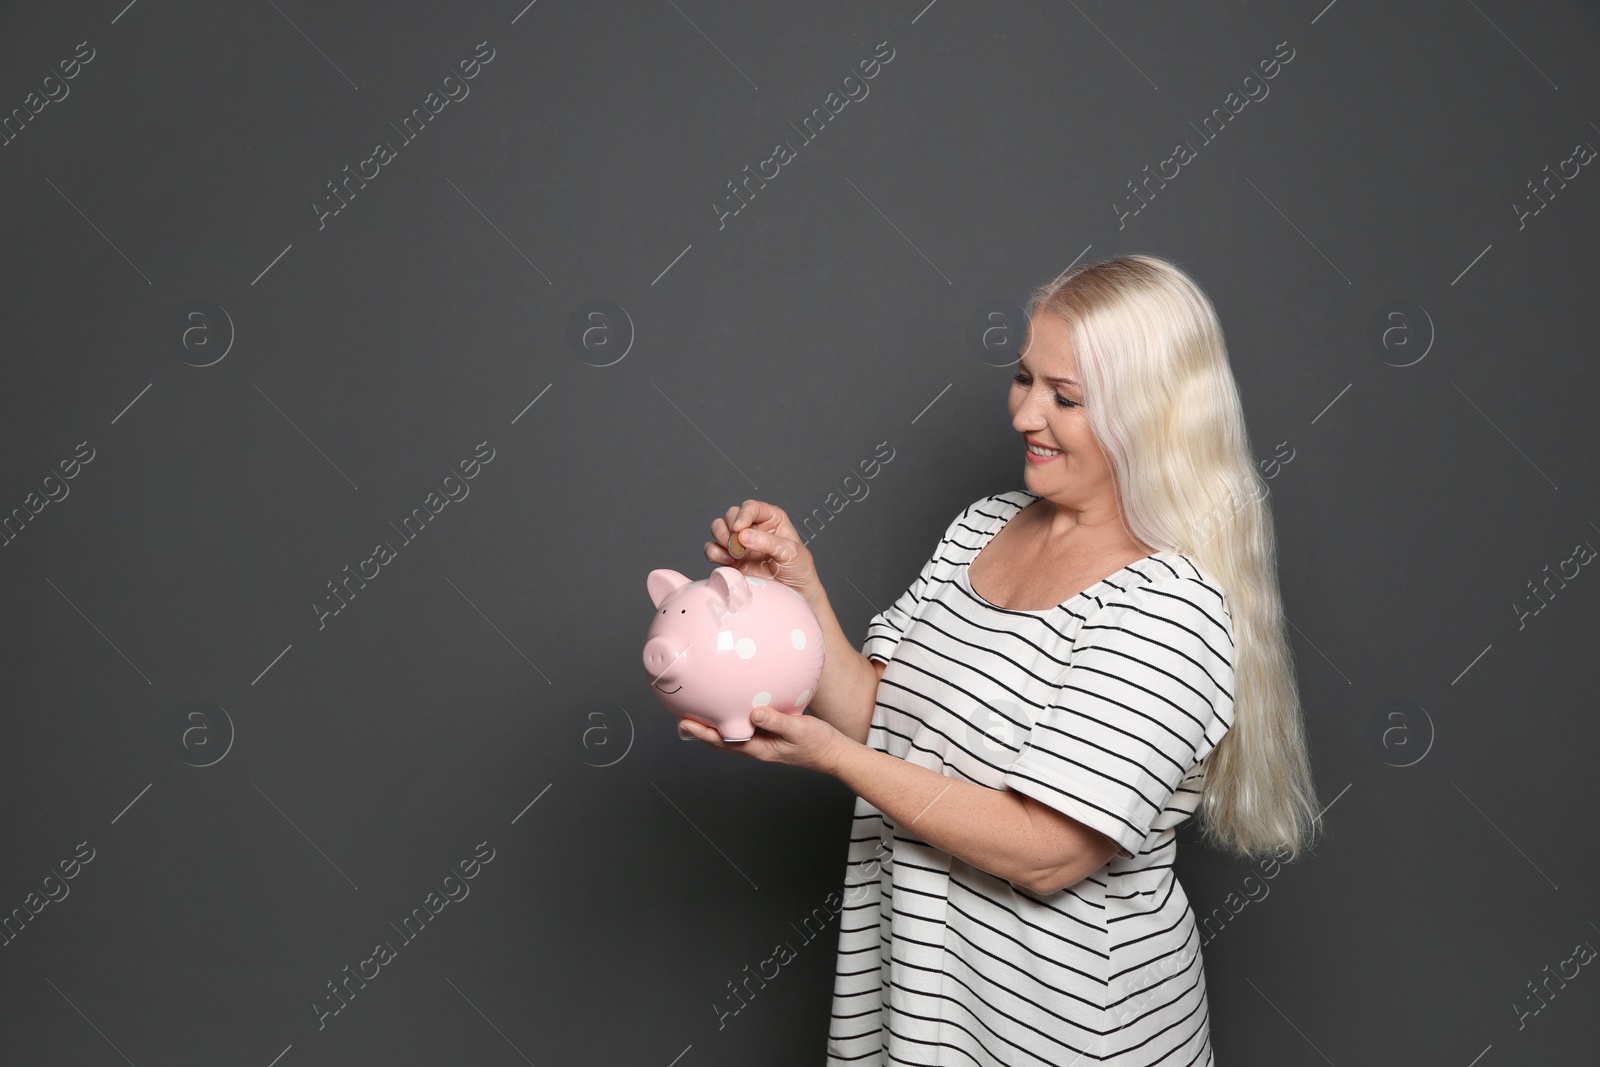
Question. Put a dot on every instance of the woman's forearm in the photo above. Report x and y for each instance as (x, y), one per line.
(990, 829)
(848, 689)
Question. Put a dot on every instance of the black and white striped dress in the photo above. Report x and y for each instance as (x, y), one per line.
(1103, 708)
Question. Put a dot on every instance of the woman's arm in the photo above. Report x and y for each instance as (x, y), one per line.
(848, 689)
(1000, 831)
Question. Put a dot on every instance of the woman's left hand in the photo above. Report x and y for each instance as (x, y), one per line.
(798, 740)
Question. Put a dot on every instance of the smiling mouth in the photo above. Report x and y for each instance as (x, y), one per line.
(669, 690)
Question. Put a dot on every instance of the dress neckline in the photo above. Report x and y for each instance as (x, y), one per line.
(992, 533)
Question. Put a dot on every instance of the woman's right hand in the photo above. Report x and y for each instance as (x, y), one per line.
(772, 547)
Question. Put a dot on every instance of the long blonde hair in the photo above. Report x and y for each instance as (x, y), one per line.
(1162, 403)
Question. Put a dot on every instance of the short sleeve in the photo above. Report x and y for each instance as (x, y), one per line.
(1146, 696)
(887, 627)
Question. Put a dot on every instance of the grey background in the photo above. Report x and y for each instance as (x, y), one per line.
(486, 687)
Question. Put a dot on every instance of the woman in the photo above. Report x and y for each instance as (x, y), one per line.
(1081, 666)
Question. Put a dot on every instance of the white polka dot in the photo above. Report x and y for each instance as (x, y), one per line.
(745, 647)
(761, 699)
(800, 701)
(797, 638)
(757, 582)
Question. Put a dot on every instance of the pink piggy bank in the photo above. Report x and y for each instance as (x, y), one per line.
(728, 644)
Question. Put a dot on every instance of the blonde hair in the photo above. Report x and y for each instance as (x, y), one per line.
(1162, 403)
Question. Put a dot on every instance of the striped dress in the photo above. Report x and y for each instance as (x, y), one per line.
(1103, 708)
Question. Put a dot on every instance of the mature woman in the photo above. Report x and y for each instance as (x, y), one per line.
(1082, 665)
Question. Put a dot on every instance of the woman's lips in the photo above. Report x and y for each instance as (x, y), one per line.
(1032, 458)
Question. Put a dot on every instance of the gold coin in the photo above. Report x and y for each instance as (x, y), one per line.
(735, 547)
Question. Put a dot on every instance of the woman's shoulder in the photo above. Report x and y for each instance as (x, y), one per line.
(995, 508)
(1179, 574)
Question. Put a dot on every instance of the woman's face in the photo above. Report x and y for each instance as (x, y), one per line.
(1050, 413)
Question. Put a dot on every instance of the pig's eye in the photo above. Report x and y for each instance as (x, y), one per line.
(683, 611)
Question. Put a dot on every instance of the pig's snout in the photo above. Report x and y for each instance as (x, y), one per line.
(663, 663)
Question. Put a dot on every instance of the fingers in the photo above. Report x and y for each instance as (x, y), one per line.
(690, 730)
(778, 548)
(756, 513)
(730, 546)
(750, 532)
(738, 520)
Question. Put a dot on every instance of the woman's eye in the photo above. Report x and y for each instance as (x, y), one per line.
(1023, 379)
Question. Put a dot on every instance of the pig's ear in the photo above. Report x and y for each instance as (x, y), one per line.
(663, 583)
(728, 584)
